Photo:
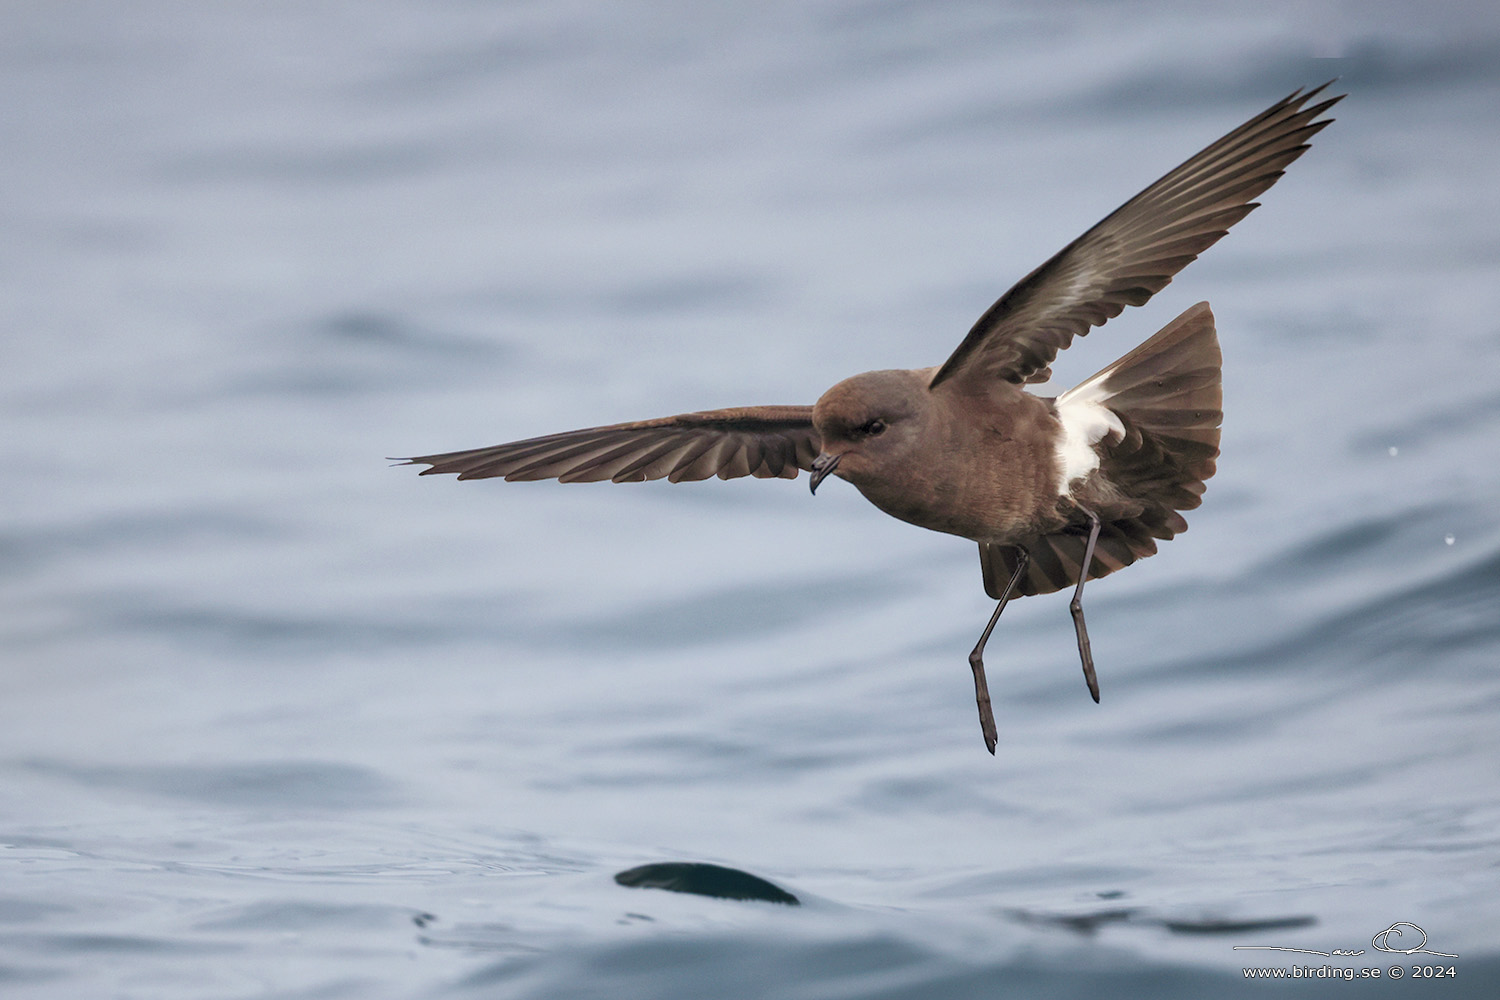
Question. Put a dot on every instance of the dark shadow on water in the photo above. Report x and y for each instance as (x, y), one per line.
(1236, 926)
(702, 879)
(1089, 922)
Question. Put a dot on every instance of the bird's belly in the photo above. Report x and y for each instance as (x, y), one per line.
(980, 514)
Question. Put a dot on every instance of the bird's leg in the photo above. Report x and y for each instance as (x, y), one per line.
(976, 658)
(1077, 607)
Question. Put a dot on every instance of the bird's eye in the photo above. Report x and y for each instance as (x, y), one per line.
(872, 428)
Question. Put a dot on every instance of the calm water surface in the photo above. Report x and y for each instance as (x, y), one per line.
(277, 720)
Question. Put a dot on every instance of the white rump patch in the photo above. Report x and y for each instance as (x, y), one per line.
(1085, 422)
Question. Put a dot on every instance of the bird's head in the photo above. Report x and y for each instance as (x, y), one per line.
(867, 424)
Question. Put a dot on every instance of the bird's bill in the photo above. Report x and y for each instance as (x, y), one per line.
(821, 467)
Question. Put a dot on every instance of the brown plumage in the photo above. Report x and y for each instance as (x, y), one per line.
(1166, 394)
(761, 441)
(1096, 476)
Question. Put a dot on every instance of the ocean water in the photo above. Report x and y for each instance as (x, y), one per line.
(278, 720)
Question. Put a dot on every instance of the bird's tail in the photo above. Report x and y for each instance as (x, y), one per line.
(1167, 396)
(1167, 393)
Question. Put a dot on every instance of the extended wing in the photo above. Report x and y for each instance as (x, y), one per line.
(761, 441)
(1134, 252)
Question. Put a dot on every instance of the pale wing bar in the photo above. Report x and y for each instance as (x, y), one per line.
(761, 441)
(1135, 251)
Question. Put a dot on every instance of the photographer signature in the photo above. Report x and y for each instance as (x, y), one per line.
(1380, 942)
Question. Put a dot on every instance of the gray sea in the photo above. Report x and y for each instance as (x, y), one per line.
(280, 720)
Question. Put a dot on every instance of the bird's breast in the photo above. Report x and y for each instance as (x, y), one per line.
(984, 476)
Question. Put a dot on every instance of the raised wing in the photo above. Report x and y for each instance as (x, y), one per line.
(761, 441)
(1134, 252)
